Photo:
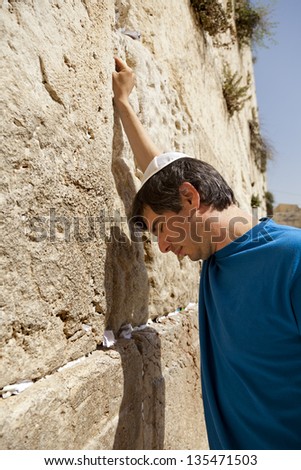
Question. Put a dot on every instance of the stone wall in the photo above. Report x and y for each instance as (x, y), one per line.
(288, 214)
(71, 269)
(135, 396)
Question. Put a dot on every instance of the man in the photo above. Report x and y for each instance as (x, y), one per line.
(250, 291)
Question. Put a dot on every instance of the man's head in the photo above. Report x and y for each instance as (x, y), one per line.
(180, 192)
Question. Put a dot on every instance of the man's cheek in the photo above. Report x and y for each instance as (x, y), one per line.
(176, 231)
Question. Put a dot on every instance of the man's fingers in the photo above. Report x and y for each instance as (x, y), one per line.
(120, 65)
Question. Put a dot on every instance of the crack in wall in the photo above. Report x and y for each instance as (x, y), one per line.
(49, 88)
(84, 2)
(14, 387)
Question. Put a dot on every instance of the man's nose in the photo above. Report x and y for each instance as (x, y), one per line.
(164, 245)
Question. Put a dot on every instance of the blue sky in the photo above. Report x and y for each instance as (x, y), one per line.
(278, 89)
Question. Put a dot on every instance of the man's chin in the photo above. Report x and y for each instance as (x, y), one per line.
(192, 257)
(198, 257)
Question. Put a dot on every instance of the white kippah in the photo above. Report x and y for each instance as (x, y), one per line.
(159, 162)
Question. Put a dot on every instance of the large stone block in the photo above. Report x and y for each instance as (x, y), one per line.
(57, 180)
(180, 358)
(140, 395)
(75, 408)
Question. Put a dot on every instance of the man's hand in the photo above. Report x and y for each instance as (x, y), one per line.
(123, 81)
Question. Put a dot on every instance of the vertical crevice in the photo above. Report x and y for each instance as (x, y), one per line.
(49, 88)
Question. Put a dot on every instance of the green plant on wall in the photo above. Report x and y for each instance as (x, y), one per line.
(252, 23)
(212, 16)
(269, 201)
(255, 201)
(234, 93)
(260, 148)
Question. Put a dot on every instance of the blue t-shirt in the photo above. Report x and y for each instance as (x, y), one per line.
(250, 333)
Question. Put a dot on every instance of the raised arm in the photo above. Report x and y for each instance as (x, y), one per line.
(142, 146)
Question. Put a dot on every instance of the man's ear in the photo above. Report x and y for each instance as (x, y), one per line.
(189, 195)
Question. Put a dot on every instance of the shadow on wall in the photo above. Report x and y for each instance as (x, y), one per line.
(141, 422)
(141, 414)
(126, 277)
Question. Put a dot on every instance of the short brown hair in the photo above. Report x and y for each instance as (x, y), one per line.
(161, 191)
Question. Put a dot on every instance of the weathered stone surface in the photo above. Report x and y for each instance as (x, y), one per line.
(288, 214)
(144, 394)
(57, 158)
(184, 419)
(67, 408)
(172, 392)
